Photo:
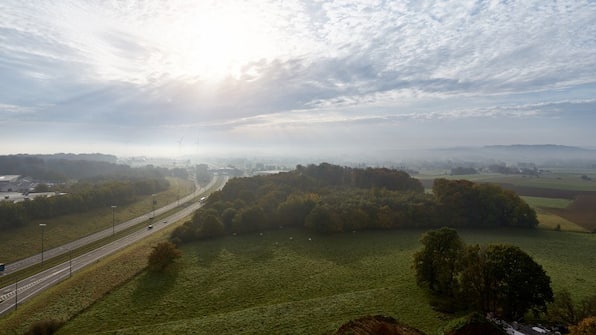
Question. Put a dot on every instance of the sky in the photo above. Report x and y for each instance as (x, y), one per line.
(174, 78)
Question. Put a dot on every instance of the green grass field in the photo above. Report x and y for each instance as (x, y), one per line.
(272, 284)
(23, 242)
(539, 202)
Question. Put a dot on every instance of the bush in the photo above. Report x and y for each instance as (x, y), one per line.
(163, 254)
(586, 326)
(44, 327)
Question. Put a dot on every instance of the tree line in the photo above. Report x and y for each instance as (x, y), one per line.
(328, 198)
(64, 167)
(77, 198)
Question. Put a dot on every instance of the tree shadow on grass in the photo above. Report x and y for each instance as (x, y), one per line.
(352, 247)
(207, 251)
(248, 247)
(153, 286)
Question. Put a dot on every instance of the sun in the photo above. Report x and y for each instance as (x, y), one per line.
(217, 42)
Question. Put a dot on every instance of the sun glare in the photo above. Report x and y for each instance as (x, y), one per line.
(210, 44)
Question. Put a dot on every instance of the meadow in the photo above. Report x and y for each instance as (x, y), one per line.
(289, 282)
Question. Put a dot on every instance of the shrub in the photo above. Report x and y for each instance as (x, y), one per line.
(163, 254)
(586, 326)
(44, 327)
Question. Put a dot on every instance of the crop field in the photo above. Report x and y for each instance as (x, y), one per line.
(546, 208)
(23, 242)
(581, 211)
(289, 282)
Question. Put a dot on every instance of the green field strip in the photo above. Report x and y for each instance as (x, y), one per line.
(546, 203)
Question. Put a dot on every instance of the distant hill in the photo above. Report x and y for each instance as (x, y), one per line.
(95, 157)
(538, 148)
(61, 167)
(546, 154)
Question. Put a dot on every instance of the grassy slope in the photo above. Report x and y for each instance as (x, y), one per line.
(274, 285)
(20, 243)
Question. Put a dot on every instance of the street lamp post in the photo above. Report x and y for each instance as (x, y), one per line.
(43, 226)
(153, 206)
(113, 220)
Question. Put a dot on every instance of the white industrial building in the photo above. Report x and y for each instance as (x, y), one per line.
(9, 183)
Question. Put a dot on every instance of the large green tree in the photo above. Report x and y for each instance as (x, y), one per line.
(437, 264)
(499, 278)
(504, 280)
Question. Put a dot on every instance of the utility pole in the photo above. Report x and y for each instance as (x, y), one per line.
(43, 226)
(113, 220)
(70, 263)
(16, 293)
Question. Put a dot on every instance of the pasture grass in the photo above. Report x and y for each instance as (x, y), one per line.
(285, 283)
(23, 242)
(540, 202)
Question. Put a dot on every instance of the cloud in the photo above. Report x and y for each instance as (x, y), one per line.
(294, 66)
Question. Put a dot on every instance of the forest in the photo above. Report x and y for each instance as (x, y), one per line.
(64, 167)
(328, 198)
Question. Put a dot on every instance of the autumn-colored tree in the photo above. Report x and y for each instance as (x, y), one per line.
(565, 310)
(163, 254)
(586, 326)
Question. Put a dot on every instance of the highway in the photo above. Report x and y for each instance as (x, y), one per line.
(24, 289)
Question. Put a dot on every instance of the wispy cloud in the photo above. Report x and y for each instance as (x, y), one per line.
(294, 65)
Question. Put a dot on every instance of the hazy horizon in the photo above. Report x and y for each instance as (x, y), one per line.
(183, 78)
